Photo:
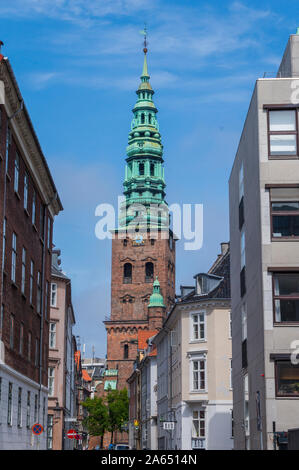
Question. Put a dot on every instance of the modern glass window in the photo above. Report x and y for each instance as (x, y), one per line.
(198, 326)
(17, 172)
(9, 405)
(12, 332)
(23, 281)
(285, 219)
(199, 375)
(33, 207)
(52, 335)
(198, 423)
(286, 297)
(28, 411)
(38, 294)
(21, 344)
(26, 184)
(51, 373)
(14, 257)
(149, 272)
(127, 273)
(29, 346)
(287, 379)
(19, 416)
(31, 282)
(282, 133)
(53, 294)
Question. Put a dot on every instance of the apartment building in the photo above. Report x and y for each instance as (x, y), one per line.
(62, 413)
(264, 239)
(28, 205)
(194, 402)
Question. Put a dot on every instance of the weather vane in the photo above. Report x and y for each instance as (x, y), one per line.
(145, 43)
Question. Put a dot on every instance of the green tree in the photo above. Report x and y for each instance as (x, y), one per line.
(97, 421)
(118, 410)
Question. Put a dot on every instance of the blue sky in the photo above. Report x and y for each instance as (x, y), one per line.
(78, 64)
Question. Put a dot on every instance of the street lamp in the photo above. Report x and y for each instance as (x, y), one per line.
(56, 410)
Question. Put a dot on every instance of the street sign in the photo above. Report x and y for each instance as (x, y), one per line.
(37, 429)
(70, 420)
(169, 425)
(136, 422)
(71, 434)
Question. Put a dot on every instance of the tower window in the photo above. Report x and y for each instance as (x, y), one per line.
(127, 273)
(142, 118)
(126, 351)
(152, 169)
(141, 169)
(149, 272)
(149, 118)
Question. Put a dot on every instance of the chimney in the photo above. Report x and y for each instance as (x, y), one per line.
(224, 248)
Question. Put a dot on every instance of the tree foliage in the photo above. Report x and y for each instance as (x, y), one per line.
(97, 420)
(118, 410)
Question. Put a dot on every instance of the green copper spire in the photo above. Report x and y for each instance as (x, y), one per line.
(156, 299)
(144, 176)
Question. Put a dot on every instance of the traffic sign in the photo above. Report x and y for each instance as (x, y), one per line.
(71, 434)
(37, 429)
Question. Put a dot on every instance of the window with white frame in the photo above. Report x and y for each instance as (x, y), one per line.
(198, 326)
(282, 132)
(14, 257)
(28, 411)
(17, 171)
(53, 294)
(19, 416)
(9, 405)
(198, 374)
(198, 423)
(26, 184)
(51, 373)
(52, 335)
(23, 271)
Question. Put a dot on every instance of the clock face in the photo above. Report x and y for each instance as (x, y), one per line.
(139, 239)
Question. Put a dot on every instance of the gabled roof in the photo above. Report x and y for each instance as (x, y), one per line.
(143, 336)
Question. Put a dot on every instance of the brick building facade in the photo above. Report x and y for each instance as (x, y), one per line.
(28, 204)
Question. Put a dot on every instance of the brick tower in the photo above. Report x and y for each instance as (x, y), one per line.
(143, 248)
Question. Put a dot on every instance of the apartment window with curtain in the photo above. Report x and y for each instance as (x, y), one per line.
(17, 172)
(198, 326)
(198, 375)
(28, 410)
(23, 281)
(282, 133)
(53, 295)
(19, 416)
(51, 376)
(246, 405)
(52, 335)
(198, 423)
(26, 185)
(9, 405)
(14, 257)
(286, 297)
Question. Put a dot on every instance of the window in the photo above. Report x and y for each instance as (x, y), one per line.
(38, 296)
(26, 179)
(149, 272)
(142, 118)
(9, 405)
(152, 169)
(33, 207)
(28, 411)
(242, 249)
(141, 169)
(17, 171)
(19, 417)
(198, 326)
(51, 372)
(246, 404)
(53, 295)
(23, 271)
(127, 273)
(282, 133)
(285, 219)
(29, 346)
(11, 338)
(14, 257)
(199, 375)
(50, 432)
(287, 379)
(31, 281)
(126, 351)
(198, 423)
(52, 335)
(21, 339)
(286, 297)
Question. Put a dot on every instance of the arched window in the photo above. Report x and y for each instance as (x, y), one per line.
(142, 118)
(152, 169)
(126, 351)
(149, 272)
(141, 169)
(149, 118)
(127, 273)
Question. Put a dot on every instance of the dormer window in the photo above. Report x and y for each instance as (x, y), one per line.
(205, 283)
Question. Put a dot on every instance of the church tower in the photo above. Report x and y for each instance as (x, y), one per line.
(143, 248)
